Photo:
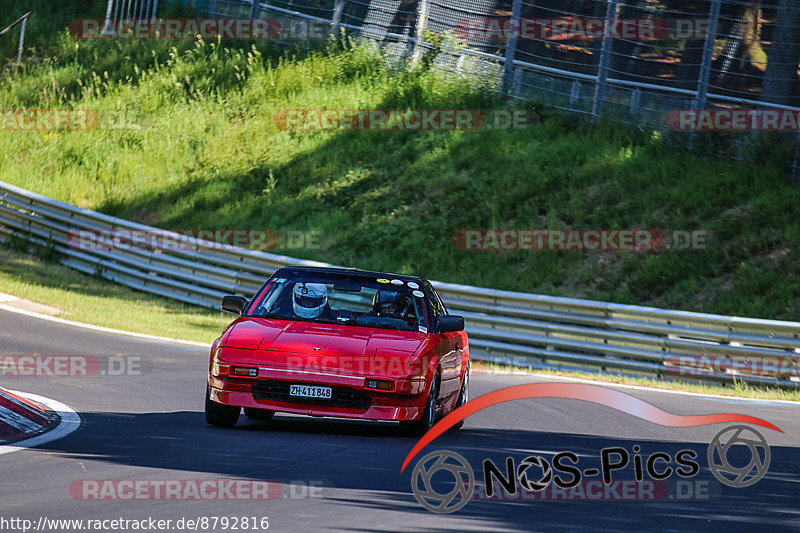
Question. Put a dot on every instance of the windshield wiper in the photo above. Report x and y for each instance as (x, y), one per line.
(273, 315)
(335, 321)
(374, 325)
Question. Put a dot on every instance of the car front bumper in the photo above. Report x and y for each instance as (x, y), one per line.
(351, 398)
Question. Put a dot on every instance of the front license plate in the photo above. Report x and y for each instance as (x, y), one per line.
(309, 391)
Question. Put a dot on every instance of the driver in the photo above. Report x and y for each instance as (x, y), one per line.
(310, 300)
(389, 304)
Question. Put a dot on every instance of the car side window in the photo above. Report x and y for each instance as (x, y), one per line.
(436, 302)
(441, 303)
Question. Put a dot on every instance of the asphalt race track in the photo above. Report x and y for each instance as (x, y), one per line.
(151, 426)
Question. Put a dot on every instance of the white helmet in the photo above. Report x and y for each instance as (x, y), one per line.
(309, 299)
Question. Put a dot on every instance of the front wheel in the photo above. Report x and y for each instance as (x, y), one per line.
(428, 418)
(224, 416)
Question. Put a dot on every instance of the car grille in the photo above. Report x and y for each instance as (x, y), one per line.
(340, 396)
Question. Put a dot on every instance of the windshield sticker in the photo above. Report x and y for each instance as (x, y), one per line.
(418, 294)
(382, 280)
(423, 329)
(413, 285)
(280, 280)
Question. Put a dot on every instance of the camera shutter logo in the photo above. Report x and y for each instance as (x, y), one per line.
(734, 438)
(544, 480)
(428, 497)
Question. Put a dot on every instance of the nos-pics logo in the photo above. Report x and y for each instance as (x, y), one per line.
(451, 471)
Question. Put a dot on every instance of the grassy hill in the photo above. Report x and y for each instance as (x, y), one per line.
(186, 139)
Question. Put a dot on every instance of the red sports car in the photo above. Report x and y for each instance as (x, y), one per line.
(343, 343)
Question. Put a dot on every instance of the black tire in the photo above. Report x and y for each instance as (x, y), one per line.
(428, 418)
(224, 416)
(463, 396)
(258, 414)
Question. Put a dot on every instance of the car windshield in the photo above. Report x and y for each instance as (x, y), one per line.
(356, 300)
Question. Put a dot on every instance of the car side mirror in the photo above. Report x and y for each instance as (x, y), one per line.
(448, 323)
(234, 304)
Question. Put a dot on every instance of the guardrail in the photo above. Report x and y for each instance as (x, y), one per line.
(24, 21)
(526, 329)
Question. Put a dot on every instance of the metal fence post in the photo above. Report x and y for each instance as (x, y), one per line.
(255, 9)
(117, 9)
(575, 93)
(336, 19)
(636, 100)
(793, 179)
(108, 27)
(516, 84)
(511, 45)
(422, 23)
(460, 63)
(605, 58)
(21, 39)
(708, 54)
(212, 7)
(699, 101)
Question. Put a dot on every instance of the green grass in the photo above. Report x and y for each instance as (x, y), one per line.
(187, 140)
(95, 301)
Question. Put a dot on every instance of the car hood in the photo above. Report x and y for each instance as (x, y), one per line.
(321, 339)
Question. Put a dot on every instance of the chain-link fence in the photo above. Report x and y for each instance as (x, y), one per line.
(679, 66)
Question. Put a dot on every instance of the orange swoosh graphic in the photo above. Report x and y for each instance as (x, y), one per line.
(578, 391)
